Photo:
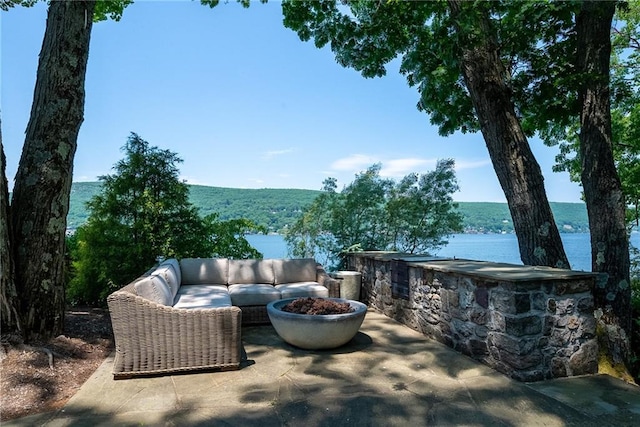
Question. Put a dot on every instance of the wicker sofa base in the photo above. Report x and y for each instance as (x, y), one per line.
(152, 339)
(254, 315)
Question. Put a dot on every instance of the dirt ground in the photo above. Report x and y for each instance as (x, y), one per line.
(29, 385)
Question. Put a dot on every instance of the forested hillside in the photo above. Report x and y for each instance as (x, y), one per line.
(481, 217)
(275, 208)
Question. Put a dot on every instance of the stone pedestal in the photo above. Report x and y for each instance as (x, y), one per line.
(350, 282)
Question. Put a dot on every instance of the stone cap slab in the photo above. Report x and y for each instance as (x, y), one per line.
(494, 271)
(503, 271)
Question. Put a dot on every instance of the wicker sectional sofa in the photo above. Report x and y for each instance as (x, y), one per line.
(186, 315)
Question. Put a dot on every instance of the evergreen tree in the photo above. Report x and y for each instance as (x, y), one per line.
(143, 214)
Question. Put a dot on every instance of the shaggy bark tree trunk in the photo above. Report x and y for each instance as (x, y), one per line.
(43, 183)
(515, 165)
(602, 189)
(9, 318)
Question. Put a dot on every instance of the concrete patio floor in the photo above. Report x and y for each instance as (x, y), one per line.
(388, 375)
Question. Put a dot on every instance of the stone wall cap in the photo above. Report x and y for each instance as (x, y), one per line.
(502, 271)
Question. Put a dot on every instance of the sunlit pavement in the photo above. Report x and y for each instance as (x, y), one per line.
(388, 375)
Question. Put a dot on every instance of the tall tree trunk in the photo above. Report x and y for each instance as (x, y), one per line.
(9, 318)
(43, 183)
(602, 188)
(515, 165)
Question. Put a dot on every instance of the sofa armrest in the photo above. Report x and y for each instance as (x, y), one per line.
(151, 338)
(327, 281)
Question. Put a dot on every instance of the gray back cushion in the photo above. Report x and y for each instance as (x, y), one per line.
(294, 270)
(176, 267)
(154, 288)
(251, 271)
(170, 276)
(205, 271)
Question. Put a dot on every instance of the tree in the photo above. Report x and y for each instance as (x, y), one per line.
(507, 69)
(373, 213)
(454, 53)
(421, 210)
(306, 237)
(40, 199)
(9, 317)
(143, 214)
(625, 114)
(600, 181)
(358, 216)
(597, 146)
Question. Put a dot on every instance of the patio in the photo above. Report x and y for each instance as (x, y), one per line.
(387, 375)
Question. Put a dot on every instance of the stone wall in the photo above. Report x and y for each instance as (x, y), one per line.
(531, 323)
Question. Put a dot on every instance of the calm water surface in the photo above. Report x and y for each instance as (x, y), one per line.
(484, 247)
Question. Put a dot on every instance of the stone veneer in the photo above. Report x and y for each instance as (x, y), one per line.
(530, 323)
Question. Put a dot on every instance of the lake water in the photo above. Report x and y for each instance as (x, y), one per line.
(484, 247)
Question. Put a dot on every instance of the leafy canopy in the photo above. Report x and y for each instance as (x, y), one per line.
(373, 213)
(367, 36)
(105, 9)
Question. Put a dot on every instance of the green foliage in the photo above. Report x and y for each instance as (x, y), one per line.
(214, 3)
(81, 194)
(227, 237)
(358, 213)
(421, 210)
(274, 209)
(373, 213)
(625, 115)
(142, 214)
(110, 9)
(306, 237)
(8, 4)
(536, 46)
(105, 9)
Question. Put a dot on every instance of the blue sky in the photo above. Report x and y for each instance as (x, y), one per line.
(243, 102)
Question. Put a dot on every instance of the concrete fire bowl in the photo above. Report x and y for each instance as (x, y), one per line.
(316, 332)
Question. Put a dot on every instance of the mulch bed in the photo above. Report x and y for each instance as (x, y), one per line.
(317, 306)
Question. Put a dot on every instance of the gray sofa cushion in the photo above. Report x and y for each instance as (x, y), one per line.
(154, 288)
(294, 270)
(202, 296)
(176, 267)
(303, 289)
(204, 271)
(250, 271)
(253, 294)
(170, 276)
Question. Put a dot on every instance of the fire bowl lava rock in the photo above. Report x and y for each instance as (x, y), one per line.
(316, 332)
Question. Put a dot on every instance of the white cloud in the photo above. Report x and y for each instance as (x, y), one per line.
(401, 167)
(394, 168)
(353, 163)
(273, 153)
